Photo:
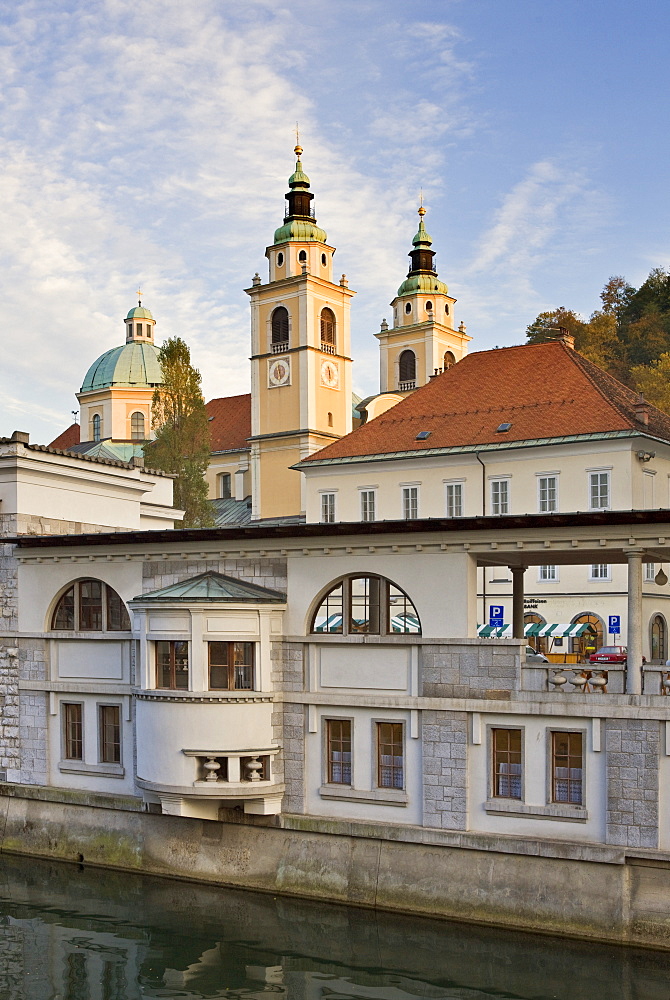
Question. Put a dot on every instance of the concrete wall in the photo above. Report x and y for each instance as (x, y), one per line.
(586, 892)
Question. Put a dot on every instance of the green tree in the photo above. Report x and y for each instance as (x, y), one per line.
(653, 381)
(181, 444)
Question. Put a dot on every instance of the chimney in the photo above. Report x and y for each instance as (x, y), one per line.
(642, 410)
(564, 336)
(23, 437)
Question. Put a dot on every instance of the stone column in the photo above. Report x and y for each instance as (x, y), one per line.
(634, 639)
(517, 601)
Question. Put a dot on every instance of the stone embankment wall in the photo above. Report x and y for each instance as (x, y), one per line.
(583, 891)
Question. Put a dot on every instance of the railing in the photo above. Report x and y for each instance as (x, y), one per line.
(279, 348)
(327, 348)
(404, 386)
(217, 768)
(309, 214)
(581, 678)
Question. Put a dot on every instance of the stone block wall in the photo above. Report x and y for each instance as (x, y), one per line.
(444, 744)
(270, 573)
(31, 769)
(469, 671)
(288, 723)
(632, 747)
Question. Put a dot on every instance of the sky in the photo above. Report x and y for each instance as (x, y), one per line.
(148, 143)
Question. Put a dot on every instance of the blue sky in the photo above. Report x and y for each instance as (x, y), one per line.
(149, 141)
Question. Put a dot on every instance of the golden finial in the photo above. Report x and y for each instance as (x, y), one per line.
(139, 296)
(298, 148)
(421, 210)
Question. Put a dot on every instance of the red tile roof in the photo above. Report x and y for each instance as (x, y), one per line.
(67, 438)
(230, 422)
(542, 390)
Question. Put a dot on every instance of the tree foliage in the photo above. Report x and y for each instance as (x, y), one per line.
(629, 336)
(181, 444)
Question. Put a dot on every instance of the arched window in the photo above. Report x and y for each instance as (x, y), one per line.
(429, 307)
(330, 419)
(592, 638)
(449, 360)
(302, 256)
(137, 426)
(446, 309)
(90, 606)
(96, 424)
(659, 639)
(408, 307)
(368, 605)
(224, 486)
(280, 326)
(328, 327)
(407, 368)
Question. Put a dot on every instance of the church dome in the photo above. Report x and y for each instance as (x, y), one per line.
(135, 365)
(139, 312)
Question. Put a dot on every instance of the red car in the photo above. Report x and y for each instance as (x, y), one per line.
(611, 654)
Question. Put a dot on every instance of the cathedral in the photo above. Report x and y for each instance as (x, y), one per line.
(301, 396)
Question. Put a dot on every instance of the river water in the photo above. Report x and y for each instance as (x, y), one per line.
(74, 933)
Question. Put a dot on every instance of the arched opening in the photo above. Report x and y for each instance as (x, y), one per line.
(446, 309)
(137, 426)
(592, 638)
(429, 307)
(659, 639)
(96, 426)
(538, 642)
(224, 486)
(330, 419)
(302, 256)
(408, 307)
(280, 327)
(407, 369)
(368, 605)
(90, 606)
(327, 328)
(280, 259)
(449, 360)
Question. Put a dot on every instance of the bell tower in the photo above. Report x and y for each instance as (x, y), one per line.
(300, 355)
(423, 337)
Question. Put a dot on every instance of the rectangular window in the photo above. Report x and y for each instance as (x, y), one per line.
(109, 728)
(231, 666)
(599, 486)
(500, 496)
(454, 499)
(338, 733)
(547, 494)
(566, 768)
(390, 755)
(368, 505)
(548, 574)
(600, 571)
(507, 763)
(172, 665)
(327, 508)
(410, 502)
(73, 730)
(649, 572)
(365, 604)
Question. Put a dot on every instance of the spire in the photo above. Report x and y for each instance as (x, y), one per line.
(421, 255)
(299, 218)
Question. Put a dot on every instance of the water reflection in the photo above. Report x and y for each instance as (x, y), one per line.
(69, 933)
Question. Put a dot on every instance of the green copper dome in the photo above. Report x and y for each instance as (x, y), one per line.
(139, 312)
(134, 365)
(422, 237)
(300, 229)
(422, 283)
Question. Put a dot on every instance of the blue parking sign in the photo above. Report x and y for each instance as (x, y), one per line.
(496, 615)
(615, 624)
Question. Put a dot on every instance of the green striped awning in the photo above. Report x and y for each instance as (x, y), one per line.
(569, 631)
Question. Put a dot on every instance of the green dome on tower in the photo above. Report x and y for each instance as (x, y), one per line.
(139, 312)
(299, 221)
(135, 365)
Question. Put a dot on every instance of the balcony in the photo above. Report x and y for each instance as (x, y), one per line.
(328, 348)
(405, 386)
(581, 678)
(279, 348)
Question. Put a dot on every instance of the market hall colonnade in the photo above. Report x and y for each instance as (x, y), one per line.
(632, 550)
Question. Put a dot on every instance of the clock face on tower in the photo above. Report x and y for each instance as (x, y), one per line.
(279, 372)
(330, 374)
